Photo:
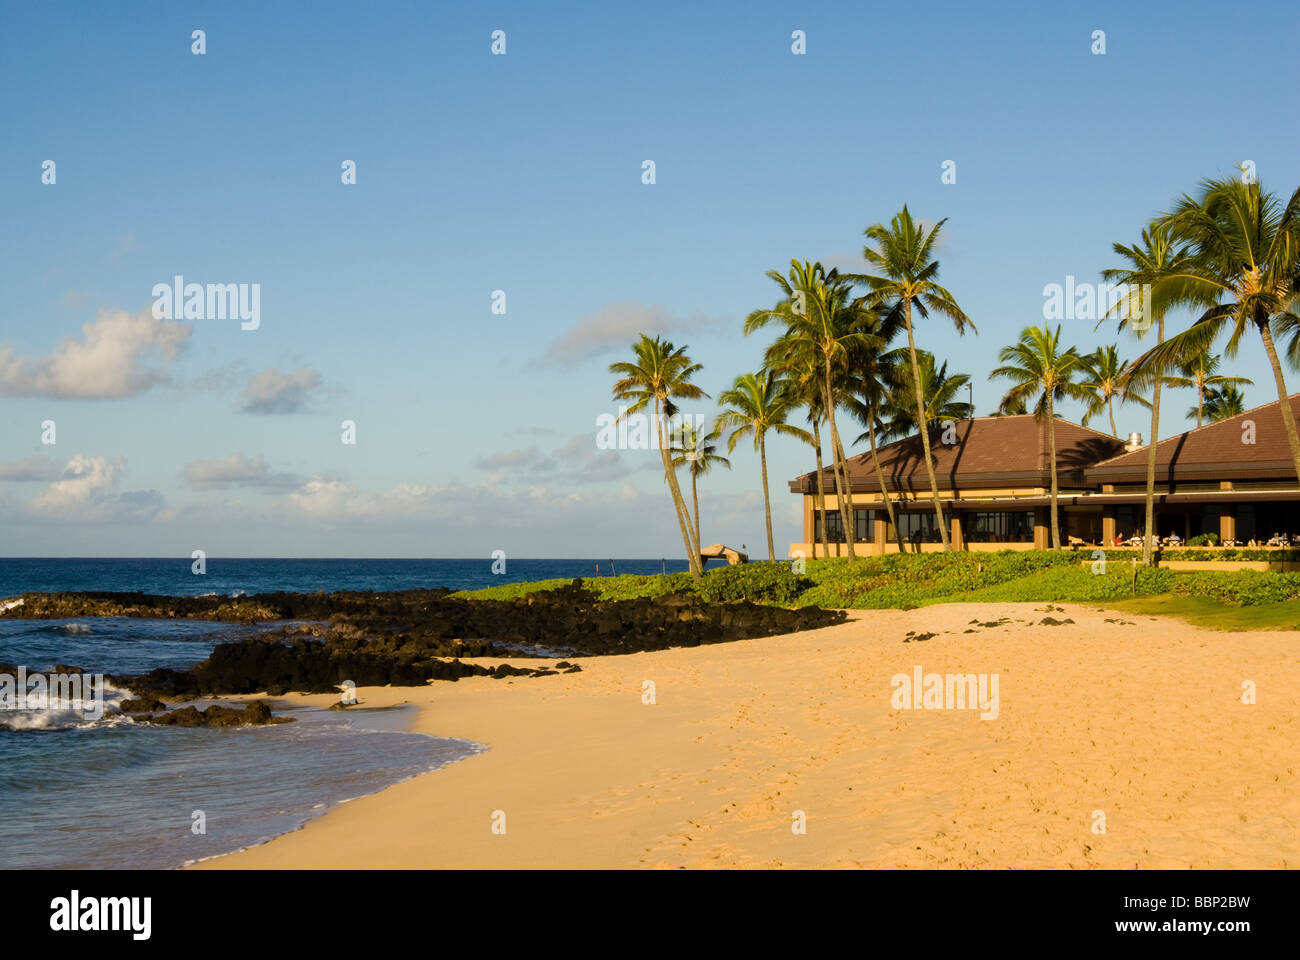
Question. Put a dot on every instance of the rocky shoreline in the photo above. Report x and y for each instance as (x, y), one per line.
(410, 637)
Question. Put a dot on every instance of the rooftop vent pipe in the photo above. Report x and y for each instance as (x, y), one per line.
(1134, 442)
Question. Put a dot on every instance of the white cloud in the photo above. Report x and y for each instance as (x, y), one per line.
(86, 492)
(272, 391)
(117, 357)
(235, 470)
(84, 478)
(616, 327)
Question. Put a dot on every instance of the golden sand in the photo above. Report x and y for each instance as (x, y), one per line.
(1140, 722)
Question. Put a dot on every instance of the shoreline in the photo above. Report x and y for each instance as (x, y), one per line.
(1139, 718)
(412, 712)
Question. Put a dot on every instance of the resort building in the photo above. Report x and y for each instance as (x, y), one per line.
(1235, 478)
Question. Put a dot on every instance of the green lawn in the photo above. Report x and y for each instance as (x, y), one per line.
(1205, 612)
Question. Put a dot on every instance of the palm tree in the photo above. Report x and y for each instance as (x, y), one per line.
(1198, 373)
(1246, 273)
(699, 450)
(871, 371)
(660, 373)
(1015, 408)
(1154, 260)
(937, 387)
(1224, 402)
(1105, 380)
(797, 359)
(816, 308)
(909, 277)
(757, 403)
(1041, 370)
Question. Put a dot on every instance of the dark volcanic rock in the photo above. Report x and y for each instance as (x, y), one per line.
(256, 713)
(409, 637)
(143, 705)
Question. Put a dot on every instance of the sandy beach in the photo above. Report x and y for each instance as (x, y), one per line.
(1139, 719)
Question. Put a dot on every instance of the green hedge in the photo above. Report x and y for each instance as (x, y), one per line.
(1192, 553)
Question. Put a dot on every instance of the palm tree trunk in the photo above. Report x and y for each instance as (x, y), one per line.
(1051, 454)
(841, 482)
(1147, 547)
(1200, 400)
(843, 458)
(1110, 408)
(1288, 415)
(821, 494)
(924, 427)
(767, 502)
(695, 499)
(679, 504)
(884, 494)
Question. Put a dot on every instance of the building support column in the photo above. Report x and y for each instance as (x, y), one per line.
(955, 537)
(1227, 522)
(1108, 520)
(1042, 528)
(880, 531)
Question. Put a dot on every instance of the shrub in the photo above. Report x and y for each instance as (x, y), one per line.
(511, 591)
(626, 586)
(631, 586)
(1204, 540)
(766, 582)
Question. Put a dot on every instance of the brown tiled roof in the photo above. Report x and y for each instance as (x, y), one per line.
(988, 452)
(1215, 451)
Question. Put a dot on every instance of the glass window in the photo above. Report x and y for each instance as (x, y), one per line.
(1005, 526)
(919, 527)
(863, 525)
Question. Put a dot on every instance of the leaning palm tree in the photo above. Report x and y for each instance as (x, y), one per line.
(1154, 260)
(939, 389)
(1199, 373)
(909, 277)
(659, 374)
(1246, 274)
(816, 308)
(1105, 378)
(1224, 402)
(699, 451)
(757, 403)
(1042, 374)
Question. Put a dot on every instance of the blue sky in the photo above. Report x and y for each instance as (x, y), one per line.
(522, 173)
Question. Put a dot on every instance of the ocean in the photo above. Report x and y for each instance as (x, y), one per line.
(108, 793)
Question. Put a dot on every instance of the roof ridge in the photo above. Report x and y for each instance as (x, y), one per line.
(1187, 433)
(884, 451)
